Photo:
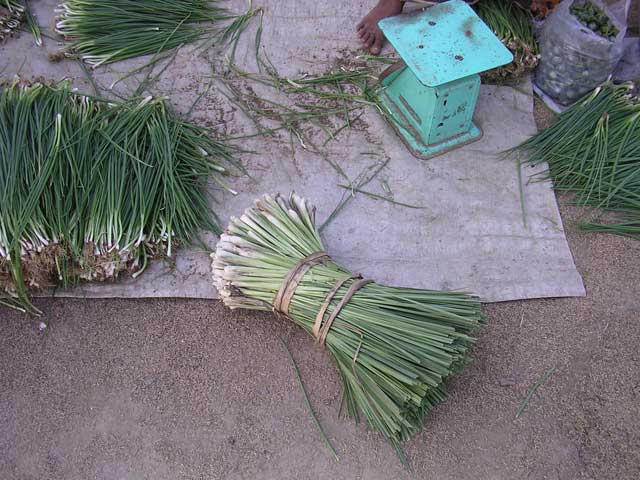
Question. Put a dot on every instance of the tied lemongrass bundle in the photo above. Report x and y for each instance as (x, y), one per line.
(15, 13)
(394, 347)
(513, 25)
(106, 31)
(90, 189)
(593, 151)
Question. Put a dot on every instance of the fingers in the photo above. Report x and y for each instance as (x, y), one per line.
(368, 40)
(371, 37)
(377, 45)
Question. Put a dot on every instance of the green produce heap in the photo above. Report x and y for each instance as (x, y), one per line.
(593, 18)
(106, 31)
(15, 13)
(513, 25)
(90, 189)
(394, 347)
(593, 151)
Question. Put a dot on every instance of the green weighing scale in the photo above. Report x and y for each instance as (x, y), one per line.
(431, 93)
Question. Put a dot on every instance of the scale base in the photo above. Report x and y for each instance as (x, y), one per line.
(414, 143)
(425, 152)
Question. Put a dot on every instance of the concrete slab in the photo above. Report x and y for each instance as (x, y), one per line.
(471, 233)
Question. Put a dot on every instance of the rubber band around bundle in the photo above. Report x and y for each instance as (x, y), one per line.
(290, 282)
(293, 278)
(326, 326)
(327, 300)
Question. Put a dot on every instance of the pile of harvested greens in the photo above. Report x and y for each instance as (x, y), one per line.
(593, 18)
(89, 189)
(14, 13)
(106, 31)
(394, 347)
(593, 150)
(513, 24)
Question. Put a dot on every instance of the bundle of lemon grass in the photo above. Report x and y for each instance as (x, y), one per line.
(107, 31)
(394, 347)
(91, 189)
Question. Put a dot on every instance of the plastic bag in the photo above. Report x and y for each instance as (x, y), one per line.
(574, 58)
(628, 68)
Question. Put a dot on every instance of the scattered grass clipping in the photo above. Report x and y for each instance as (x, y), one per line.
(306, 105)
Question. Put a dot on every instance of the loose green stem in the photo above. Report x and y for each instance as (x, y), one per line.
(533, 390)
(323, 436)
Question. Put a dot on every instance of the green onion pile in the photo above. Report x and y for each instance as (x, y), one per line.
(593, 150)
(394, 347)
(593, 18)
(106, 31)
(13, 13)
(513, 25)
(89, 189)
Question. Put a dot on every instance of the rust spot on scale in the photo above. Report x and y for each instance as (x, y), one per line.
(468, 27)
(468, 24)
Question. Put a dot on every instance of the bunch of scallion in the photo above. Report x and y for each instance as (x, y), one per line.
(13, 13)
(394, 347)
(90, 189)
(513, 24)
(106, 31)
(593, 151)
